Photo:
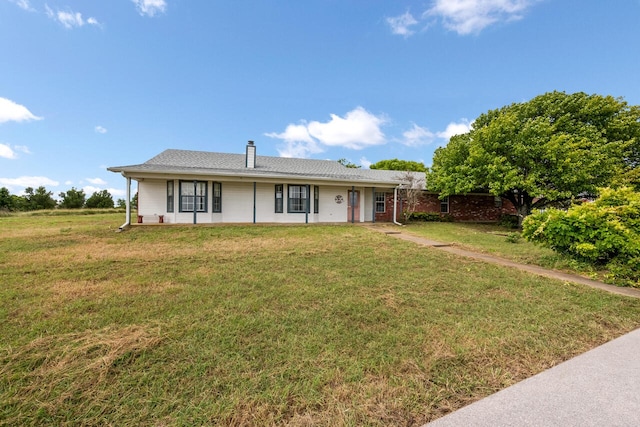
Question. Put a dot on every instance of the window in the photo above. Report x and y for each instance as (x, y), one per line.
(316, 198)
(444, 205)
(380, 202)
(217, 197)
(169, 196)
(279, 198)
(297, 199)
(193, 195)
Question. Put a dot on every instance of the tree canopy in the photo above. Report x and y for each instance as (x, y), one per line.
(399, 165)
(347, 163)
(72, 199)
(543, 151)
(38, 199)
(100, 199)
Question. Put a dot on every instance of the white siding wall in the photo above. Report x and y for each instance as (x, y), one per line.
(152, 198)
(238, 203)
(330, 210)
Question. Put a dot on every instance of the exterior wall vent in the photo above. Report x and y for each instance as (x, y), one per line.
(251, 155)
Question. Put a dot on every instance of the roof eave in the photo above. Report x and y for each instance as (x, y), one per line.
(133, 170)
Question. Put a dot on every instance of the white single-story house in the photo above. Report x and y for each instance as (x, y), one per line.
(181, 186)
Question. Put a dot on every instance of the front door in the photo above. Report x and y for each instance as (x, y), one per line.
(353, 206)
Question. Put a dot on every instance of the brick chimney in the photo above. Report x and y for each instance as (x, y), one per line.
(251, 155)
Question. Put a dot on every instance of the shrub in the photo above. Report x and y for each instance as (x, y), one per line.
(605, 232)
(429, 217)
(508, 221)
(513, 237)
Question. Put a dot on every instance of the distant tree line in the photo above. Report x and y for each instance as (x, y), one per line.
(41, 198)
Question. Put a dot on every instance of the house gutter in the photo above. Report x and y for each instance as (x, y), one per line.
(128, 206)
(395, 205)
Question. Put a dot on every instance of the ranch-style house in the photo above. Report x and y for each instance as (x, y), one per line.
(182, 186)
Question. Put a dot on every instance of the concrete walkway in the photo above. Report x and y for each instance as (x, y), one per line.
(565, 277)
(598, 388)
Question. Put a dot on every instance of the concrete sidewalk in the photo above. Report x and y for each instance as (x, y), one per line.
(598, 388)
(534, 269)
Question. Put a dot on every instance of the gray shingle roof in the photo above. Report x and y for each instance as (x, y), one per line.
(208, 163)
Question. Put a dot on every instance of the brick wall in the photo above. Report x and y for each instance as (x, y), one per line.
(472, 207)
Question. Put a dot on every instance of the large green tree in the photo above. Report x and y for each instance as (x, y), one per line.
(38, 199)
(6, 201)
(72, 199)
(100, 199)
(543, 151)
(399, 165)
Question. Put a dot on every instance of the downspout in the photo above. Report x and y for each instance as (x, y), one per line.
(395, 205)
(128, 206)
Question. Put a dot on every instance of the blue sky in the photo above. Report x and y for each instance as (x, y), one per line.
(90, 84)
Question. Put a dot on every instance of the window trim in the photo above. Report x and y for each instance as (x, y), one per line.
(171, 191)
(316, 199)
(279, 201)
(382, 202)
(198, 200)
(444, 205)
(303, 199)
(216, 201)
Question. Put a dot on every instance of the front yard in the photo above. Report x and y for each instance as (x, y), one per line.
(263, 325)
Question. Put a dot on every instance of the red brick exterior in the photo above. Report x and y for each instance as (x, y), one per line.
(472, 207)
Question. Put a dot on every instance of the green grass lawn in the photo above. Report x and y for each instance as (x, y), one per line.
(502, 242)
(268, 325)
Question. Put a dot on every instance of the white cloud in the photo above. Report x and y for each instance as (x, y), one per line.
(100, 129)
(417, 136)
(10, 111)
(68, 182)
(97, 181)
(115, 192)
(69, 19)
(472, 16)
(401, 24)
(22, 148)
(6, 152)
(10, 153)
(23, 4)
(364, 162)
(150, 7)
(453, 129)
(27, 181)
(356, 130)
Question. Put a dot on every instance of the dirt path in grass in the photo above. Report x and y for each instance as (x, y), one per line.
(572, 278)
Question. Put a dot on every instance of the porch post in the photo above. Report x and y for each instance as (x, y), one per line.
(353, 199)
(128, 204)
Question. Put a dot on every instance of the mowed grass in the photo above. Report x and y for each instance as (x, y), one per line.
(494, 239)
(268, 325)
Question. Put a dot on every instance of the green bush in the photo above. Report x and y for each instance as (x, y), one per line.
(605, 233)
(429, 217)
(508, 221)
(513, 237)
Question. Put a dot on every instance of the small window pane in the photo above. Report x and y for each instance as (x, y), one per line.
(279, 199)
